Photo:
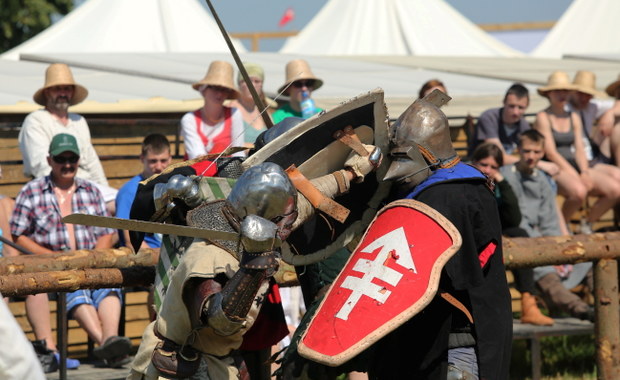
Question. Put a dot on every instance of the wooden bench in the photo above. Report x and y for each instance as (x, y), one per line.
(533, 334)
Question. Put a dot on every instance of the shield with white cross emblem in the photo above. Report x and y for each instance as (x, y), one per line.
(391, 276)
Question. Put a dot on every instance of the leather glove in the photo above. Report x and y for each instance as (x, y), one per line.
(362, 165)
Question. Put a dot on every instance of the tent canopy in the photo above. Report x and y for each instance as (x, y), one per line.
(114, 26)
(393, 27)
(586, 28)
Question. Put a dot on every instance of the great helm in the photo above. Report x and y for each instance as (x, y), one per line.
(266, 191)
(420, 141)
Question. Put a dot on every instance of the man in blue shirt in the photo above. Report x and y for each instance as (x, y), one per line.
(155, 157)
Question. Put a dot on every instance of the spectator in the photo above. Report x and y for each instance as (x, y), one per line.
(253, 123)
(155, 157)
(597, 141)
(537, 203)
(37, 226)
(299, 81)
(214, 127)
(609, 124)
(6, 209)
(563, 134)
(488, 158)
(57, 94)
(503, 125)
(429, 86)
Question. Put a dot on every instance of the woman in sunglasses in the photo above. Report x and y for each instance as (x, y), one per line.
(214, 127)
(300, 81)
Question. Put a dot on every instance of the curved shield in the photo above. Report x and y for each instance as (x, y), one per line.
(313, 148)
(391, 276)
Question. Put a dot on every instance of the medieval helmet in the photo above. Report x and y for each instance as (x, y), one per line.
(266, 191)
(420, 141)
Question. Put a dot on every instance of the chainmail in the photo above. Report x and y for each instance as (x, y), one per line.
(229, 167)
(209, 215)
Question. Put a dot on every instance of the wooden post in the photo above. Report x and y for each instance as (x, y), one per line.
(607, 319)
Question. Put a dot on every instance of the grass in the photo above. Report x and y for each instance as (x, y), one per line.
(563, 357)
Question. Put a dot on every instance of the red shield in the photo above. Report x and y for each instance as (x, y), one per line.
(392, 275)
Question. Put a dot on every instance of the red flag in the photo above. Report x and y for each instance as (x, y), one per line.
(288, 16)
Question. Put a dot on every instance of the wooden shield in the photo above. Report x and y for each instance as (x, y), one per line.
(392, 275)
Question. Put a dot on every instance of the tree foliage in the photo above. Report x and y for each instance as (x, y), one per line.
(23, 19)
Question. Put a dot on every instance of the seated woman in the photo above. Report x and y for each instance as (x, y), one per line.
(253, 122)
(214, 127)
(564, 146)
(488, 158)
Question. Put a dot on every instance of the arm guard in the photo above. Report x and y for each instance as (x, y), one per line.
(226, 311)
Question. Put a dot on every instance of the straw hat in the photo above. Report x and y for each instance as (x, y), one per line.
(585, 81)
(558, 80)
(613, 88)
(299, 69)
(59, 74)
(220, 73)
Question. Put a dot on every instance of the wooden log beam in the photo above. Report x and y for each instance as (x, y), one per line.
(80, 259)
(533, 252)
(70, 280)
(607, 319)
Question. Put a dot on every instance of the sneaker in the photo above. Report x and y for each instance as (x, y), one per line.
(71, 363)
(113, 347)
(46, 357)
(118, 361)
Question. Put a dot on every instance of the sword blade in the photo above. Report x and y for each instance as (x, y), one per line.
(150, 227)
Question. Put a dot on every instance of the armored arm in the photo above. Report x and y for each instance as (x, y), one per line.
(225, 308)
(339, 182)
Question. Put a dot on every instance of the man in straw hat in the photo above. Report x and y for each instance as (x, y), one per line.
(582, 101)
(609, 124)
(214, 127)
(299, 81)
(59, 92)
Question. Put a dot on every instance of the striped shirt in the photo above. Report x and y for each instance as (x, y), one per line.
(37, 215)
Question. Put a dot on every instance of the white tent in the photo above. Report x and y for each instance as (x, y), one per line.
(115, 26)
(586, 28)
(393, 27)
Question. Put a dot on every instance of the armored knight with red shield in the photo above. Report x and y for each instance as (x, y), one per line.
(424, 295)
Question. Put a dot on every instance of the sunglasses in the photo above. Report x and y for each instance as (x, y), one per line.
(64, 159)
(303, 83)
(219, 88)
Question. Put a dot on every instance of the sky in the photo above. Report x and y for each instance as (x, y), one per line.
(263, 16)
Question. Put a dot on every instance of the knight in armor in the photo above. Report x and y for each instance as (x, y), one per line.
(443, 341)
(218, 287)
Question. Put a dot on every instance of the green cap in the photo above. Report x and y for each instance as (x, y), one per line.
(63, 142)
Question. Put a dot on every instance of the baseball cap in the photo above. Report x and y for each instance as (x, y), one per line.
(63, 142)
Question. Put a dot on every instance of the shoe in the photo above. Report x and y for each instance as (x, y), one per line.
(586, 315)
(530, 313)
(114, 346)
(46, 357)
(118, 361)
(71, 363)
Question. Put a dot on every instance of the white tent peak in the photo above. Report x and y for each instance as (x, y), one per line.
(587, 27)
(394, 27)
(135, 26)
